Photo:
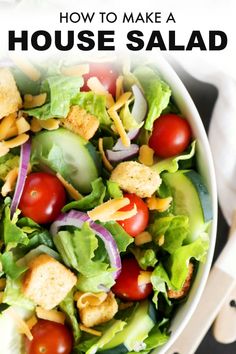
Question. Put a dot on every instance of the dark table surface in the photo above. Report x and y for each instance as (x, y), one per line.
(204, 95)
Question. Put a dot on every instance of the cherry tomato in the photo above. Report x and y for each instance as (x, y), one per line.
(49, 338)
(137, 223)
(42, 198)
(126, 286)
(171, 135)
(105, 73)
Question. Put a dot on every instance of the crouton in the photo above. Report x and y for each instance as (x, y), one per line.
(47, 282)
(81, 122)
(134, 177)
(10, 99)
(179, 294)
(94, 315)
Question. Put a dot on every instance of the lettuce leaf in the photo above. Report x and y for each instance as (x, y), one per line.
(177, 265)
(68, 306)
(7, 163)
(114, 190)
(80, 250)
(174, 228)
(93, 104)
(60, 91)
(10, 267)
(12, 234)
(13, 295)
(91, 200)
(156, 91)
(123, 240)
(160, 281)
(172, 163)
(145, 257)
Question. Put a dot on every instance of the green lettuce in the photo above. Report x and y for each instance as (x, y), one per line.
(93, 104)
(13, 295)
(10, 267)
(7, 163)
(11, 233)
(90, 201)
(114, 190)
(123, 240)
(160, 282)
(175, 230)
(172, 163)
(156, 91)
(68, 307)
(60, 92)
(145, 257)
(80, 250)
(177, 265)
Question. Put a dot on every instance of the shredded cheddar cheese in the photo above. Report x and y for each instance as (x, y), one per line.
(22, 125)
(10, 182)
(20, 323)
(34, 101)
(50, 315)
(142, 238)
(3, 149)
(119, 127)
(119, 86)
(90, 330)
(121, 215)
(35, 126)
(106, 162)
(49, 124)
(108, 208)
(146, 155)
(144, 278)
(17, 141)
(31, 322)
(121, 101)
(73, 193)
(159, 204)
(6, 124)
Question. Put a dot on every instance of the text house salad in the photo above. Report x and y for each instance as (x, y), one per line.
(104, 216)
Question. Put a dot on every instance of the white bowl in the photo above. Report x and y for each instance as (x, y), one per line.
(206, 169)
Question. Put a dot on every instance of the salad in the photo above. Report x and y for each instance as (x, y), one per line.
(103, 215)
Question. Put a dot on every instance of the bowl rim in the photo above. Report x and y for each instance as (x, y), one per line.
(170, 76)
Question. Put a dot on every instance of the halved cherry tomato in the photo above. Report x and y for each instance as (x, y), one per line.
(126, 286)
(49, 338)
(137, 223)
(171, 135)
(105, 73)
(43, 197)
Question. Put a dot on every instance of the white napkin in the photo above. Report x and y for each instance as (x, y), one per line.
(222, 131)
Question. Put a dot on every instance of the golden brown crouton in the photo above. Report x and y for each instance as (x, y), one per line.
(134, 177)
(178, 294)
(81, 122)
(47, 282)
(94, 315)
(10, 99)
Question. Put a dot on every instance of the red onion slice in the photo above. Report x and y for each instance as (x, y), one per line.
(23, 168)
(132, 134)
(122, 155)
(77, 218)
(140, 106)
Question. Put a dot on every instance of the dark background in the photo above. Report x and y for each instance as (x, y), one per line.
(204, 96)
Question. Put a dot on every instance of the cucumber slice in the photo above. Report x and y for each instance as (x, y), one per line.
(135, 332)
(191, 198)
(69, 154)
